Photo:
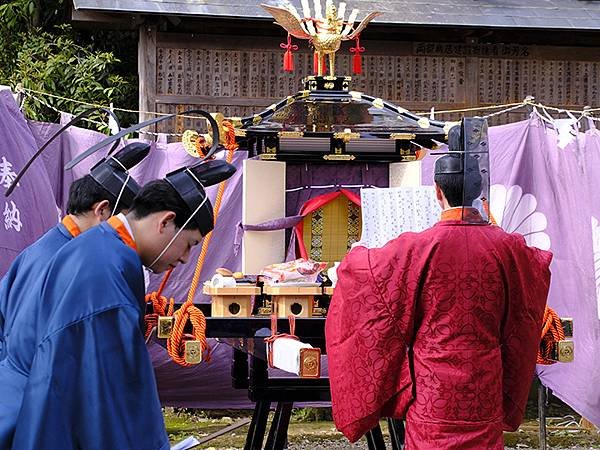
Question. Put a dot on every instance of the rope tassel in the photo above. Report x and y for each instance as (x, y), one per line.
(357, 58)
(186, 349)
(552, 333)
(288, 57)
(159, 306)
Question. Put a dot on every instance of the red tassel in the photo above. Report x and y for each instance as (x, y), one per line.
(357, 64)
(288, 58)
(357, 58)
(288, 61)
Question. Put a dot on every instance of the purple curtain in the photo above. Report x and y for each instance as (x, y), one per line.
(545, 192)
(31, 209)
(309, 180)
(307, 175)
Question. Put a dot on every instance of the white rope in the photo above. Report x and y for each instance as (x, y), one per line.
(37, 99)
(504, 111)
(529, 101)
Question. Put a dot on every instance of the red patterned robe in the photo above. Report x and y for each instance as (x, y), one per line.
(441, 327)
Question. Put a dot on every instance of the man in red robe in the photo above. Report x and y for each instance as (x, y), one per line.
(440, 327)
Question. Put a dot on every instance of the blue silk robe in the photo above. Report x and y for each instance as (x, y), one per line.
(85, 380)
(24, 272)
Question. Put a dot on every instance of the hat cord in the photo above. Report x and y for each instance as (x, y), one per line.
(122, 187)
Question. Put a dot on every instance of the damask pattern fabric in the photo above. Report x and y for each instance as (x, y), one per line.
(527, 163)
(316, 241)
(354, 224)
(386, 213)
(442, 327)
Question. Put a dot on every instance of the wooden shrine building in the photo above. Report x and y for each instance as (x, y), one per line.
(225, 55)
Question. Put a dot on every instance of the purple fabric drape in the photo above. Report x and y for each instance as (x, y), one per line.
(64, 148)
(547, 193)
(31, 209)
(318, 179)
(277, 224)
(310, 174)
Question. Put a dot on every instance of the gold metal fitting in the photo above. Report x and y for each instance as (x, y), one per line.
(310, 363)
(346, 136)
(290, 134)
(564, 351)
(193, 352)
(339, 157)
(165, 326)
(403, 136)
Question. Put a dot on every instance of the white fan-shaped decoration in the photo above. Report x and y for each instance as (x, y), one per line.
(596, 249)
(516, 212)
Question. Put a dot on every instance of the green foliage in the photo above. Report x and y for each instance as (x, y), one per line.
(311, 414)
(42, 52)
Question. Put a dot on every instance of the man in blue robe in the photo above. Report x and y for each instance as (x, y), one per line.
(92, 199)
(85, 380)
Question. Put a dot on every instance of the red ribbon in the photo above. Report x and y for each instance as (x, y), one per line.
(357, 58)
(288, 58)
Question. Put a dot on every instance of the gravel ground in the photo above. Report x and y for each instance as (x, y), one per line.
(340, 444)
(361, 445)
(564, 432)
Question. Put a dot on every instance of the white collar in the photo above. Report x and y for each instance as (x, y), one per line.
(123, 219)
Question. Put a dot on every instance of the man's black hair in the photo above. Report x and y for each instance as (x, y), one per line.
(453, 184)
(84, 193)
(158, 196)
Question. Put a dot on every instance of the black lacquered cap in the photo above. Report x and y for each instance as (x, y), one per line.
(189, 182)
(111, 172)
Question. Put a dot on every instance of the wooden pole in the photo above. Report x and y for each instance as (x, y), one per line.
(542, 401)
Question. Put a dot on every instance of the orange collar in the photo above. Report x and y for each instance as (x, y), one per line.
(466, 214)
(71, 226)
(121, 230)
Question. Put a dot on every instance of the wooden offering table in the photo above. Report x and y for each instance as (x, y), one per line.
(235, 301)
(292, 299)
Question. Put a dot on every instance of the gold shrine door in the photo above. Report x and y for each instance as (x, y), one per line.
(330, 231)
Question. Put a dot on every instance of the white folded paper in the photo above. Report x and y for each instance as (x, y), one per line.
(388, 212)
(286, 354)
(220, 281)
(188, 442)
